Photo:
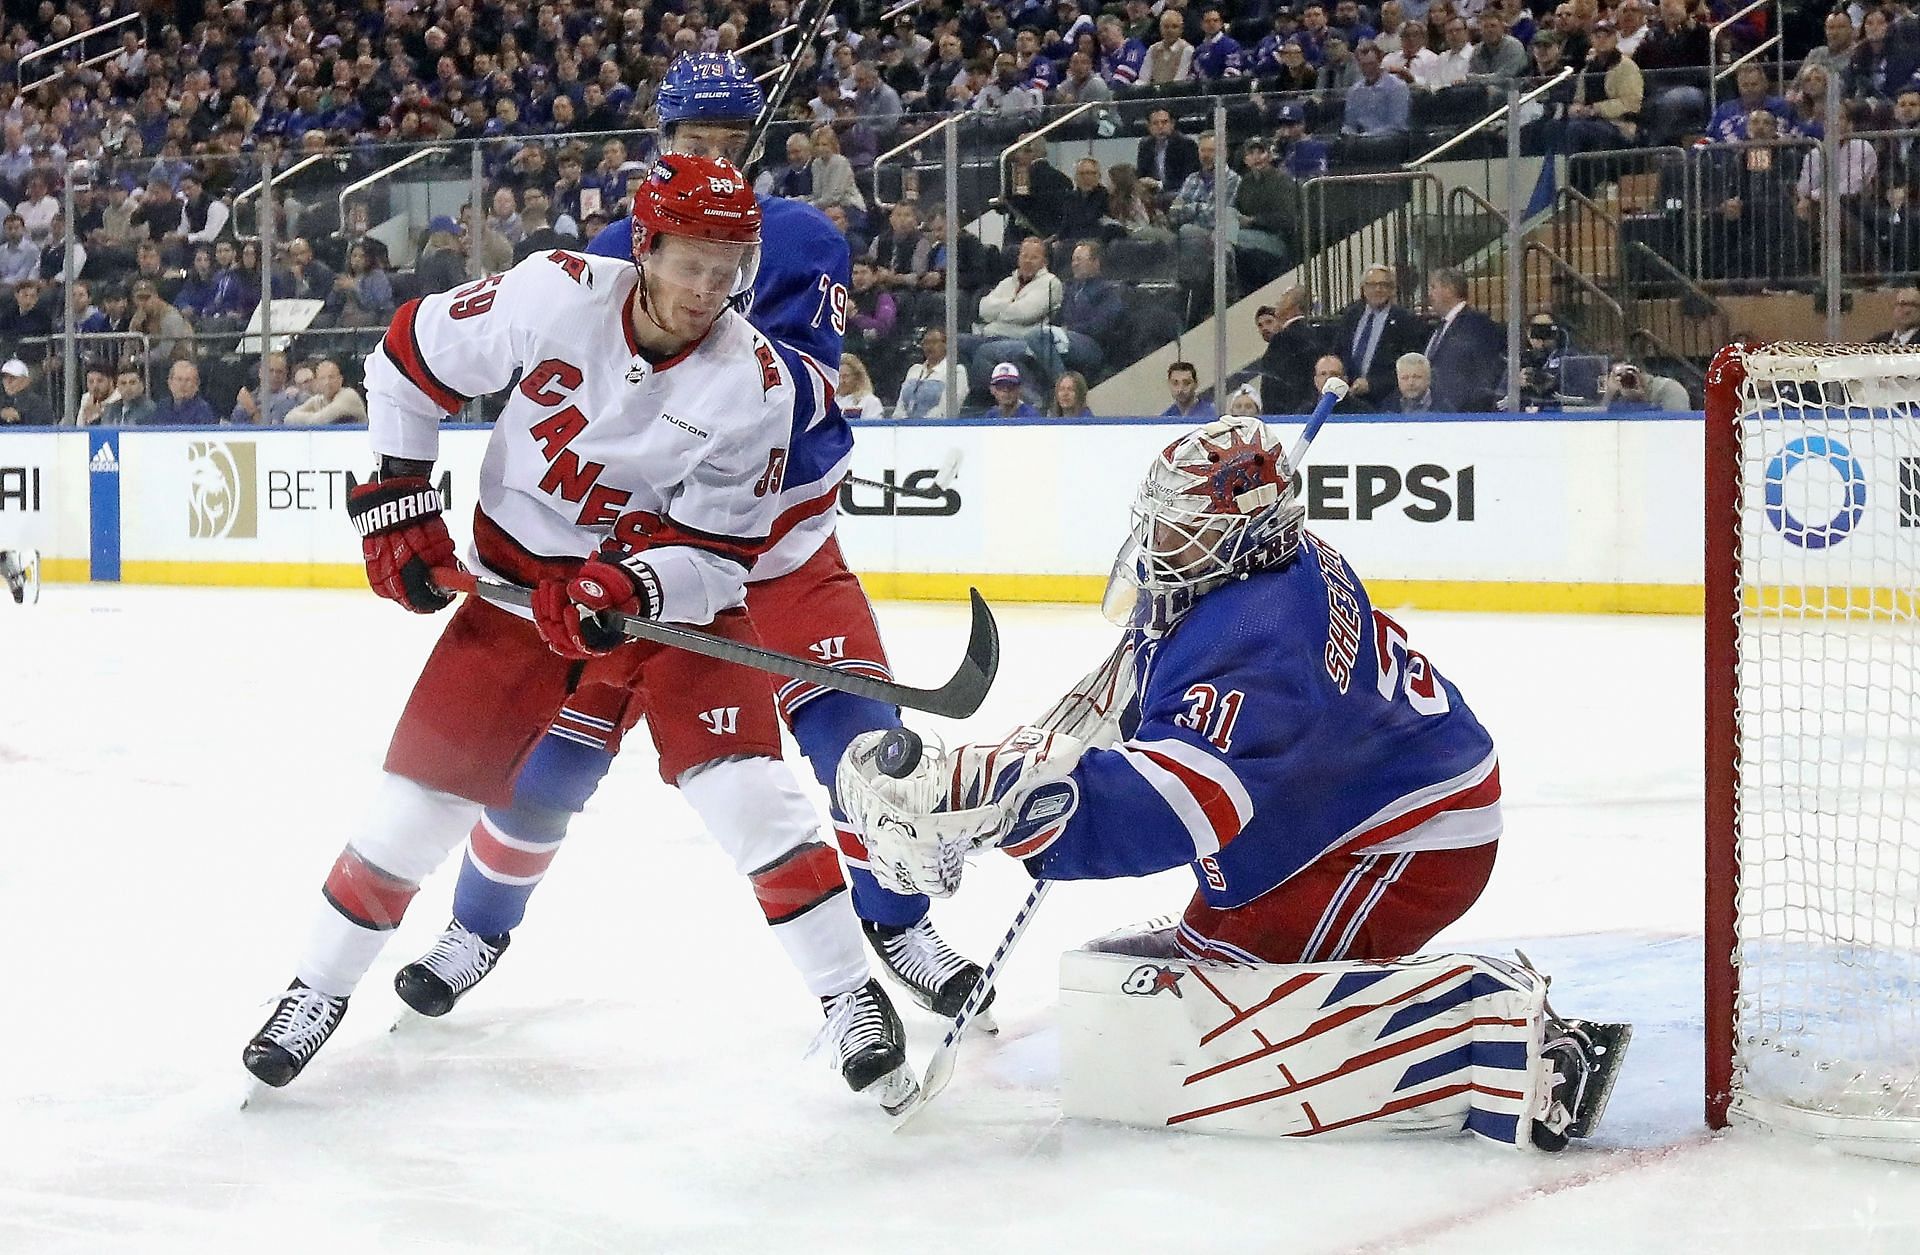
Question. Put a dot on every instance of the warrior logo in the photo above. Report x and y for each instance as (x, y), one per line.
(833, 649)
(220, 491)
(722, 720)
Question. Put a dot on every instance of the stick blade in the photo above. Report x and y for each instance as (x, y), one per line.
(969, 685)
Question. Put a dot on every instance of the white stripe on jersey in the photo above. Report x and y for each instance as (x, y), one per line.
(1179, 799)
(1422, 797)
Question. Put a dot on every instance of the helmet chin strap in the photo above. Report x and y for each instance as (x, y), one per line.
(646, 303)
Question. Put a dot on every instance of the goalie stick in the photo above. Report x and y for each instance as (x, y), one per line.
(899, 753)
(959, 697)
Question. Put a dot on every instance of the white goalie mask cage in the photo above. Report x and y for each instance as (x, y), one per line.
(1217, 504)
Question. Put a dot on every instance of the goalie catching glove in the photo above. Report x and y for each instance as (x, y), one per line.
(402, 538)
(1015, 795)
(567, 611)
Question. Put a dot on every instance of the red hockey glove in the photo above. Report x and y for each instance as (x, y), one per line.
(402, 537)
(565, 610)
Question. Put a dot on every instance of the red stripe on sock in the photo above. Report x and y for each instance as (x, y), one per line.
(495, 856)
(799, 881)
(365, 894)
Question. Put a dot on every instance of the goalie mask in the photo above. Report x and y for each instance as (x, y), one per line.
(705, 200)
(1217, 504)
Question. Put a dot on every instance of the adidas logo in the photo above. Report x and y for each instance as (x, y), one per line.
(104, 462)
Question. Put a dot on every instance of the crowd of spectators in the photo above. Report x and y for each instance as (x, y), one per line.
(164, 140)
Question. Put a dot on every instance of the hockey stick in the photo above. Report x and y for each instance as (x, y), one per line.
(959, 697)
(1331, 395)
(940, 1067)
(942, 478)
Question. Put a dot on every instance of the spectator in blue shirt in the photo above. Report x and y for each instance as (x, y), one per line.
(1120, 57)
(1218, 55)
(184, 406)
(1092, 311)
(1183, 384)
(1298, 153)
(1007, 400)
(1377, 106)
(1729, 122)
(1350, 23)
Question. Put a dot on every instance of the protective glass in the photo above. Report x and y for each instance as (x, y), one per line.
(708, 267)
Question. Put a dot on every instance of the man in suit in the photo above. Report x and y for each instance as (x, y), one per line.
(1468, 350)
(1165, 155)
(1372, 333)
(1906, 319)
(1286, 367)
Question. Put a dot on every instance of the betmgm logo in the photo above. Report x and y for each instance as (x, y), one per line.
(222, 502)
(1830, 465)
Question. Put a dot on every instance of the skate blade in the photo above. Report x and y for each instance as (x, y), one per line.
(1615, 1038)
(255, 1090)
(983, 1022)
(896, 1091)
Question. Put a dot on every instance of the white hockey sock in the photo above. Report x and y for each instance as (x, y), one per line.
(338, 953)
(754, 808)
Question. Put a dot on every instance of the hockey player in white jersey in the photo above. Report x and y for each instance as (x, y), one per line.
(636, 467)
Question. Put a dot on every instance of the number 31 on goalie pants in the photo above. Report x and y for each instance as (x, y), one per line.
(1432, 1045)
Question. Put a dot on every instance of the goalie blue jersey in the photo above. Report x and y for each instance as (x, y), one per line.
(1283, 720)
(800, 301)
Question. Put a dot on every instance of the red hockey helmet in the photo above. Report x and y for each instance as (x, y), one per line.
(699, 198)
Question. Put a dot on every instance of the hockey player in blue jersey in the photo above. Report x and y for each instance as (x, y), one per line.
(1262, 723)
(803, 599)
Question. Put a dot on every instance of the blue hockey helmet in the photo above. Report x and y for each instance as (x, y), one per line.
(708, 87)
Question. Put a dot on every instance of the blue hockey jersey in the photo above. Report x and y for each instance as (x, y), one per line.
(800, 302)
(1282, 720)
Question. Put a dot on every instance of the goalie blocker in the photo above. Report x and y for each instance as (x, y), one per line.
(1432, 1045)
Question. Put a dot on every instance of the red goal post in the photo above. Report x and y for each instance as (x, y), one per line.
(1812, 770)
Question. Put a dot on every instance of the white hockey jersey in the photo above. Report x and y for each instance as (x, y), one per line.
(684, 459)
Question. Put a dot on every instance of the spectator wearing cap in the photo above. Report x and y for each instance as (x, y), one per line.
(184, 406)
(442, 263)
(20, 404)
(1295, 151)
(1268, 203)
(1543, 119)
(1183, 385)
(1008, 402)
(1605, 111)
(1375, 121)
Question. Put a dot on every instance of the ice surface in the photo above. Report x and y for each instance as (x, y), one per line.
(180, 767)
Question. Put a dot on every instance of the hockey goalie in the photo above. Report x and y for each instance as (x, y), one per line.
(1338, 802)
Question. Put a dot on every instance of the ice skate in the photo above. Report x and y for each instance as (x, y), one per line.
(933, 974)
(292, 1035)
(1586, 1058)
(869, 1045)
(458, 961)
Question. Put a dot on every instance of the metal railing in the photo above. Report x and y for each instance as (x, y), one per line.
(1002, 163)
(20, 67)
(309, 160)
(384, 173)
(909, 185)
(1717, 72)
(1358, 220)
(1487, 122)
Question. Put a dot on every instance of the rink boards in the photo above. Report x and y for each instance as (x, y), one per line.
(1554, 513)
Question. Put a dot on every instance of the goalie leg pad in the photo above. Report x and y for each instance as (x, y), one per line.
(1430, 1045)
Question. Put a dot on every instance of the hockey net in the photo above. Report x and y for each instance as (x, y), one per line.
(1813, 742)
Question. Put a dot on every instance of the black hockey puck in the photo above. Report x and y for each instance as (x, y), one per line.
(899, 753)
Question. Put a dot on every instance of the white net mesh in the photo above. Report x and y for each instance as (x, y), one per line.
(1828, 898)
